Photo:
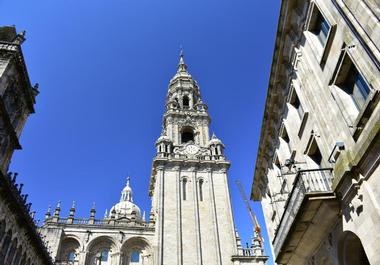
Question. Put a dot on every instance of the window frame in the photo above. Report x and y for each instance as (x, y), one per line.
(354, 123)
(305, 113)
(320, 50)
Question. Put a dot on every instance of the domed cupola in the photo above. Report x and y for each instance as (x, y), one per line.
(125, 208)
(216, 147)
(164, 145)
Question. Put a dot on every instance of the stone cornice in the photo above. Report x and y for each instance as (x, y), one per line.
(281, 71)
(184, 164)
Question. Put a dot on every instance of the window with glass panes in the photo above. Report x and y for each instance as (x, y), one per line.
(322, 28)
(353, 83)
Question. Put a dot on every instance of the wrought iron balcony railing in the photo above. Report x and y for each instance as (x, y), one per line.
(310, 181)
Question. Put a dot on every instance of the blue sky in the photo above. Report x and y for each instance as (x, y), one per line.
(103, 69)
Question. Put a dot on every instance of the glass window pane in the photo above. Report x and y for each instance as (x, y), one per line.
(362, 85)
(71, 256)
(104, 255)
(135, 256)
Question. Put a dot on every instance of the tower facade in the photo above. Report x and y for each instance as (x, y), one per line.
(20, 242)
(190, 221)
(189, 185)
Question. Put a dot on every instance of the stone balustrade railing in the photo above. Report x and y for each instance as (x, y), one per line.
(196, 157)
(98, 222)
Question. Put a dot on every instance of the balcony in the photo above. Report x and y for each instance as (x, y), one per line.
(310, 210)
(250, 255)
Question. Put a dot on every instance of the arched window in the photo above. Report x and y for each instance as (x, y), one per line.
(201, 189)
(186, 102)
(184, 184)
(351, 251)
(68, 250)
(187, 135)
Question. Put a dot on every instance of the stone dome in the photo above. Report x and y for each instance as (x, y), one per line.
(125, 207)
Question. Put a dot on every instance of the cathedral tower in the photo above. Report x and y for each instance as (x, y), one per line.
(189, 186)
(190, 222)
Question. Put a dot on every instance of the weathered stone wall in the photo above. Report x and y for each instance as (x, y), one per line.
(324, 115)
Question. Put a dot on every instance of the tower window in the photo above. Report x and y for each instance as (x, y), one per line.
(186, 102)
(184, 184)
(201, 189)
(187, 135)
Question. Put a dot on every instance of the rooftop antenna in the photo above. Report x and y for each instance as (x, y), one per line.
(251, 214)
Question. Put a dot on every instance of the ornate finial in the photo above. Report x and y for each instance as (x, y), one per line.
(57, 209)
(106, 214)
(49, 209)
(93, 206)
(143, 216)
(182, 67)
(128, 179)
(213, 136)
(73, 205)
(180, 50)
(20, 38)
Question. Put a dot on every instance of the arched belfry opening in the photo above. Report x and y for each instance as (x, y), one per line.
(186, 102)
(351, 251)
(187, 135)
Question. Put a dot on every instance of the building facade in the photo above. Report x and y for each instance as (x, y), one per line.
(317, 172)
(20, 242)
(190, 221)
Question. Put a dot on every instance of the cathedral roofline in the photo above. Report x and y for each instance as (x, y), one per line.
(80, 223)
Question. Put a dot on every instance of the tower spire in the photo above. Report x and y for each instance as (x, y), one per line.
(182, 67)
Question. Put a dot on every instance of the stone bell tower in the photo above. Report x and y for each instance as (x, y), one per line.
(189, 187)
